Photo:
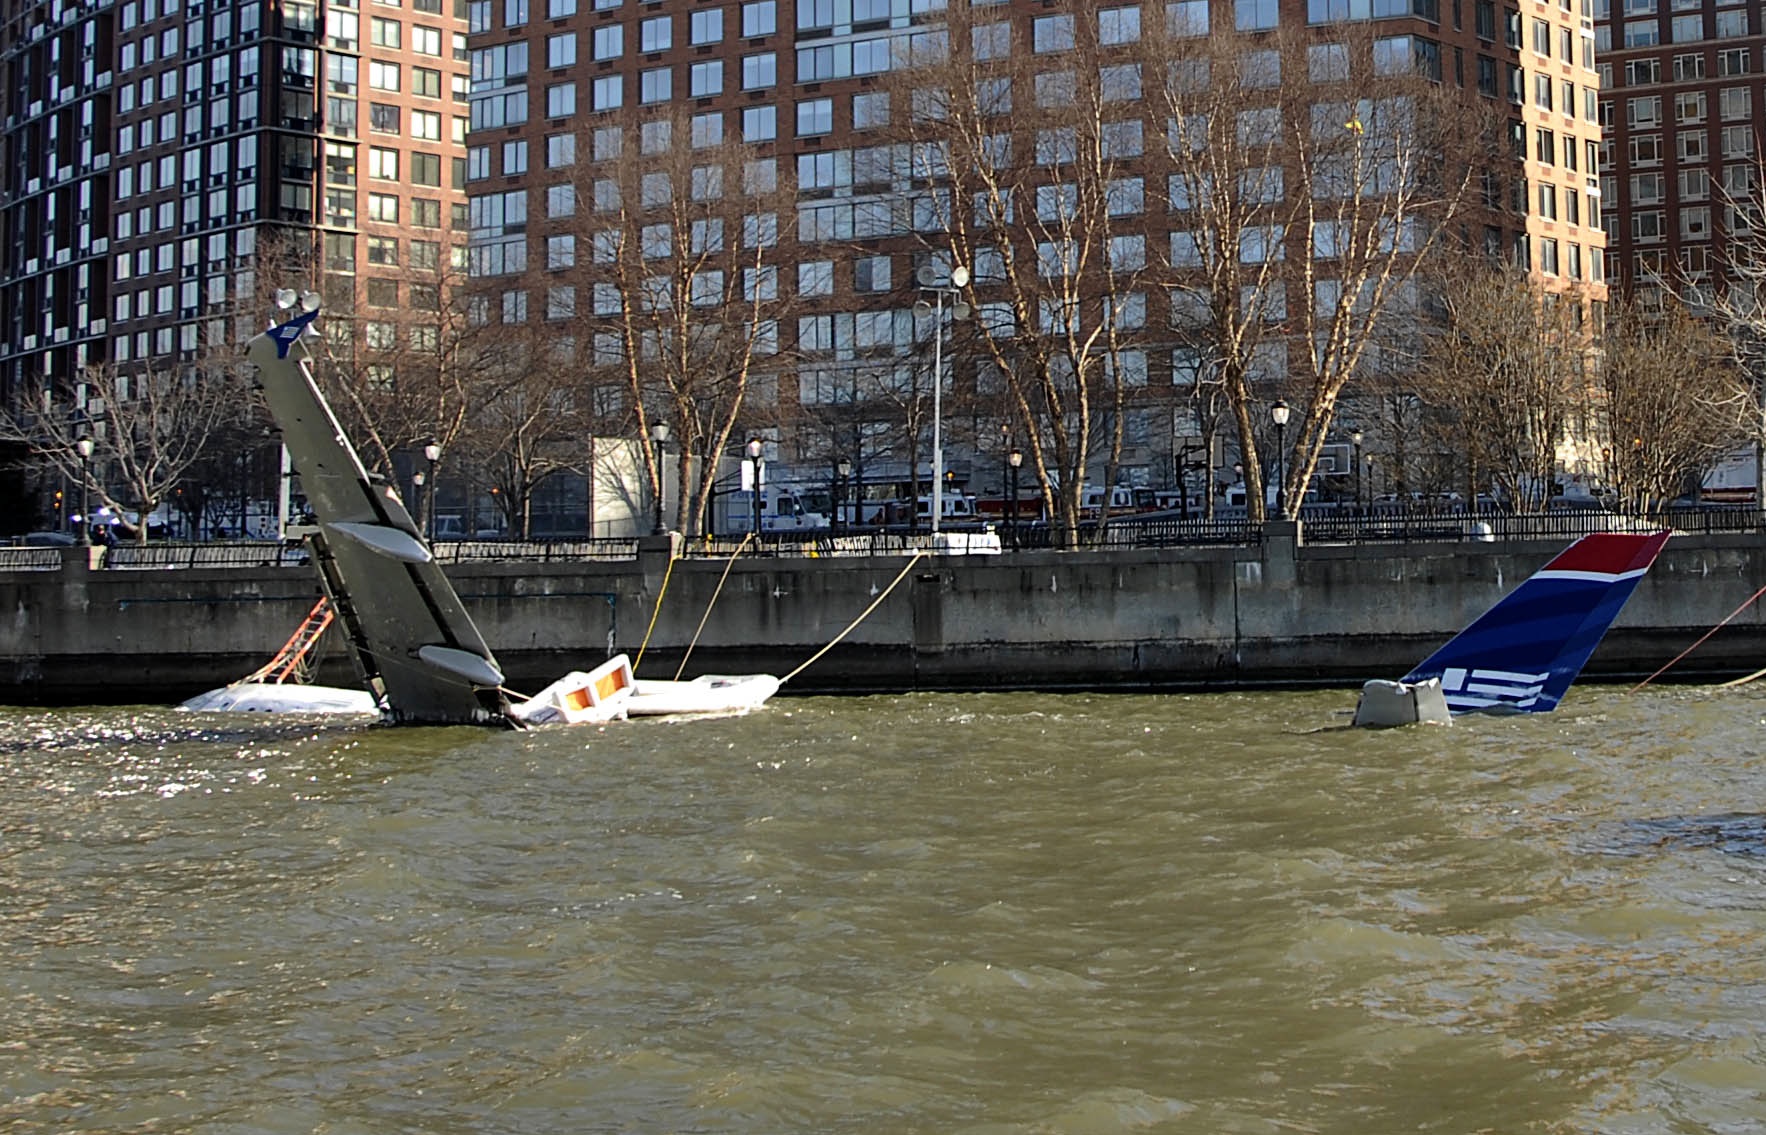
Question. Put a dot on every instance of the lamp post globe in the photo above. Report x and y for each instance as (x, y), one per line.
(84, 448)
(1278, 414)
(432, 453)
(659, 435)
(1014, 459)
(1355, 438)
(754, 451)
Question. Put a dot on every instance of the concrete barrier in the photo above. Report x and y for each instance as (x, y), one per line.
(1278, 613)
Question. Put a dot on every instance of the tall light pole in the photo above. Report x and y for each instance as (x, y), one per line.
(1356, 438)
(84, 448)
(417, 480)
(1014, 459)
(754, 450)
(1278, 414)
(659, 435)
(432, 451)
(927, 278)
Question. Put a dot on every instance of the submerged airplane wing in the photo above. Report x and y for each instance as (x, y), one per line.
(1523, 653)
(408, 631)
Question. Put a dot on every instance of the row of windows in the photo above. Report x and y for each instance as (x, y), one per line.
(1645, 112)
(426, 125)
(1739, 182)
(759, 18)
(1687, 67)
(1650, 226)
(1681, 29)
(1646, 150)
(232, 161)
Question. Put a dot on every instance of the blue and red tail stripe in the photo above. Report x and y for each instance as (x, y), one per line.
(1523, 654)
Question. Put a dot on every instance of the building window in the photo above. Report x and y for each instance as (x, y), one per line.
(760, 18)
(560, 100)
(656, 34)
(759, 71)
(706, 79)
(561, 49)
(383, 76)
(1254, 15)
(706, 26)
(383, 250)
(760, 123)
(815, 116)
(384, 33)
(383, 164)
(1052, 33)
(426, 170)
(655, 86)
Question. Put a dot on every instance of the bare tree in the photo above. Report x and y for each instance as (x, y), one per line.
(529, 421)
(150, 426)
(1025, 173)
(1738, 307)
(679, 246)
(1317, 180)
(1504, 374)
(1672, 397)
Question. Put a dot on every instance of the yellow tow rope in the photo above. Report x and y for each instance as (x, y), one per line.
(862, 617)
(740, 548)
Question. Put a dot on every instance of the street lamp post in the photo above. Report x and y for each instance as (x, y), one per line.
(1278, 413)
(754, 450)
(1014, 459)
(928, 281)
(84, 448)
(1356, 439)
(432, 452)
(417, 480)
(842, 479)
(659, 435)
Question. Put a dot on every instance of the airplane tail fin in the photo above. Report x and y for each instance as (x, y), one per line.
(1523, 653)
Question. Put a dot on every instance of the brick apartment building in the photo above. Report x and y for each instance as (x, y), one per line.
(1681, 91)
(565, 88)
(154, 148)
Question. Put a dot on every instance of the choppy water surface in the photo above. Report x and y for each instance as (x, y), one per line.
(952, 914)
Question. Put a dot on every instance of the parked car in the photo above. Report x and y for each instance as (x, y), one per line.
(45, 540)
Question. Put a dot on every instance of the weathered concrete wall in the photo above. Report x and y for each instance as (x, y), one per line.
(1205, 617)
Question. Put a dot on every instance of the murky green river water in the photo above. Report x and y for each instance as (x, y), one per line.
(952, 914)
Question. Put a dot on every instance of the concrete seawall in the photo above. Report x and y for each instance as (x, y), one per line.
(1277, 613)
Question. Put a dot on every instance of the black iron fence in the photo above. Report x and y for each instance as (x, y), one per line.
(1321, 527)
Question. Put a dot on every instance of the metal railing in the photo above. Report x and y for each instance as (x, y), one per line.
(616, 549)
(30, 559)
(167, 554)
(1321, 527)
(1426, 525)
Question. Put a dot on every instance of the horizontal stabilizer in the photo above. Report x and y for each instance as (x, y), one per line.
(1523, 653)
(391, 542)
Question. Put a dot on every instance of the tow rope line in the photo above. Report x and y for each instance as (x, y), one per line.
(655, 611)
(1701, 640)
(862, 617)
(700, 629)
